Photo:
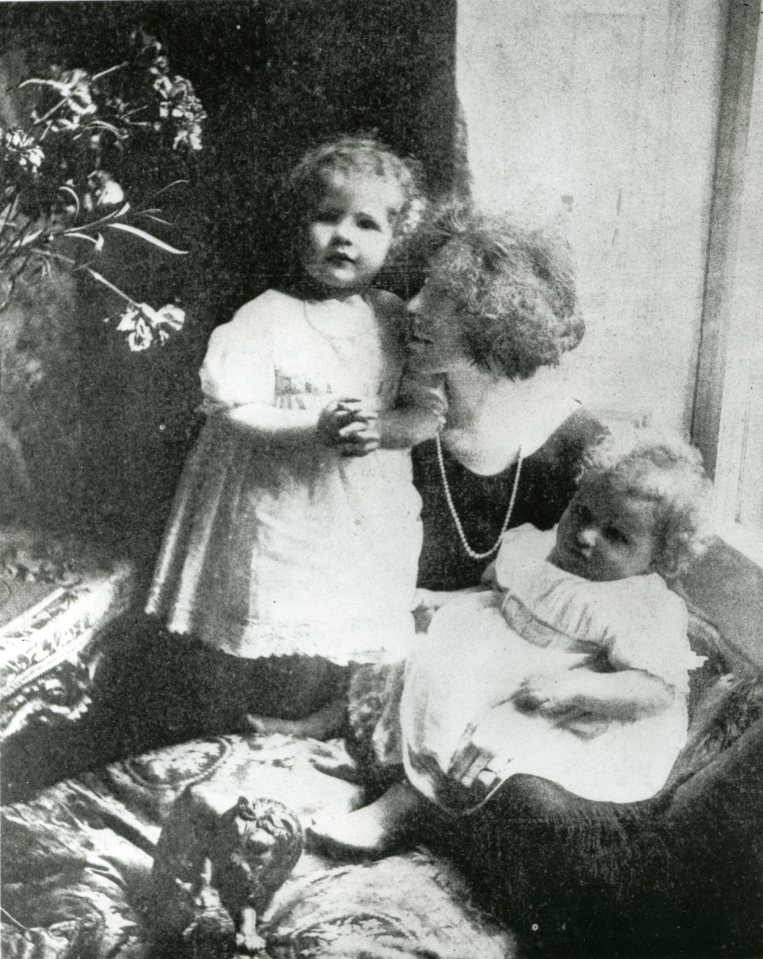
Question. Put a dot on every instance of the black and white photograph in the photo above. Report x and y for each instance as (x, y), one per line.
(381, 479)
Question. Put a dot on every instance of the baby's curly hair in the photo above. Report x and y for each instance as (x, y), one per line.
(664, 468)
(356, 155)
(514, 289)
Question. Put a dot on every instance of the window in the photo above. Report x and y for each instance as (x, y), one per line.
(728, 412)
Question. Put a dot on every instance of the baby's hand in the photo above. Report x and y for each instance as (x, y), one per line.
(561, 695)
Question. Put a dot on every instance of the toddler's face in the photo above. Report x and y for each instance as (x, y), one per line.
(350, 231)
(606, 534)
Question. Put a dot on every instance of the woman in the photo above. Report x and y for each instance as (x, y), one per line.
(495, 317)
(568, 874)
(491, 324)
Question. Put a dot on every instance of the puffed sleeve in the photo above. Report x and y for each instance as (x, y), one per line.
(239, 367)
(651, 634)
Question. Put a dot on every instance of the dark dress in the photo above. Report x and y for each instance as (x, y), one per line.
(546, 484)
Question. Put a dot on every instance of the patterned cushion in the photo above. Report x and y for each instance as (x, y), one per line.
(55, 599)
(78, 856)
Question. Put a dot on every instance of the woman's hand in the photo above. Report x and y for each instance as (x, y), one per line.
(476, 763)
(428, 601)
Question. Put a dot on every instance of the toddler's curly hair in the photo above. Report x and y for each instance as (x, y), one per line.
(664, 468)
(357, 155)
(514, 289)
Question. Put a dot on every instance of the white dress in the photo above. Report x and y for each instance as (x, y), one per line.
(272, 550)
(538, 618)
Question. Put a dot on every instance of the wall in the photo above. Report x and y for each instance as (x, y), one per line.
(601, 115)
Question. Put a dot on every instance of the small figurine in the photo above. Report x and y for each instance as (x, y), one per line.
(214, 872)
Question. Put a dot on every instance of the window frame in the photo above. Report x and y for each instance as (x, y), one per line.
(729, 382)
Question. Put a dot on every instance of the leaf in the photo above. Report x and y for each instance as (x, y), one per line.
(119, 134)
(157, 219)
(36, 81)
(147, 237)
(170, 185)
(31, 238)
(115, 289)
(115, 214)
(68, 189)
(96, 241)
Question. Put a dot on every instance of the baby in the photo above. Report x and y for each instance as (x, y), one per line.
(571, 663)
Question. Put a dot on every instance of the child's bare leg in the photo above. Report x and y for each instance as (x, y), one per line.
(370, 831)
(248, 940)
(322, 724)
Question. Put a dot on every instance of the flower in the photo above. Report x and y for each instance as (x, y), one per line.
(104, 190)
(141, 321)
(22, 149)
(68, 182)
(179, 103)
(72, 100)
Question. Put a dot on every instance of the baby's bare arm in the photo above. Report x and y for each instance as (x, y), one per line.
(624, 695)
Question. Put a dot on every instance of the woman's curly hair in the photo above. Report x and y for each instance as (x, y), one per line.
(355, 155)
(513, 287)
(664, 468)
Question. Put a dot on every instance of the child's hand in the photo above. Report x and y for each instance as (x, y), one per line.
(333, 418)
(360, 436)
(359, 439)
(348, 426)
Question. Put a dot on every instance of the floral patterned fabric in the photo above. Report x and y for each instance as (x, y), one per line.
(55, 600)
(77, 862)
(77, 857)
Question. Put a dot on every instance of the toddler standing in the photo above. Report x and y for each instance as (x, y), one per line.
(293, 542)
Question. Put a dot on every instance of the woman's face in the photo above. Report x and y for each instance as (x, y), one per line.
(436, 330)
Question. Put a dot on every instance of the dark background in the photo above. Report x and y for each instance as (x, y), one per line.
(275, 77)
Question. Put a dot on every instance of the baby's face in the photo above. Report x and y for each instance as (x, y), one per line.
(350, 231)
(606, 534)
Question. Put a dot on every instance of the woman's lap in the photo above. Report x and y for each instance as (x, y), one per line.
(570, 873)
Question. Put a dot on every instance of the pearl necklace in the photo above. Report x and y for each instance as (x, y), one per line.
(457, 521)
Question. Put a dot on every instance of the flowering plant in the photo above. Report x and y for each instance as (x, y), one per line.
(69, 180)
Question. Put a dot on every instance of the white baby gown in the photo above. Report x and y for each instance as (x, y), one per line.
(538, 618)
(276, 550)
